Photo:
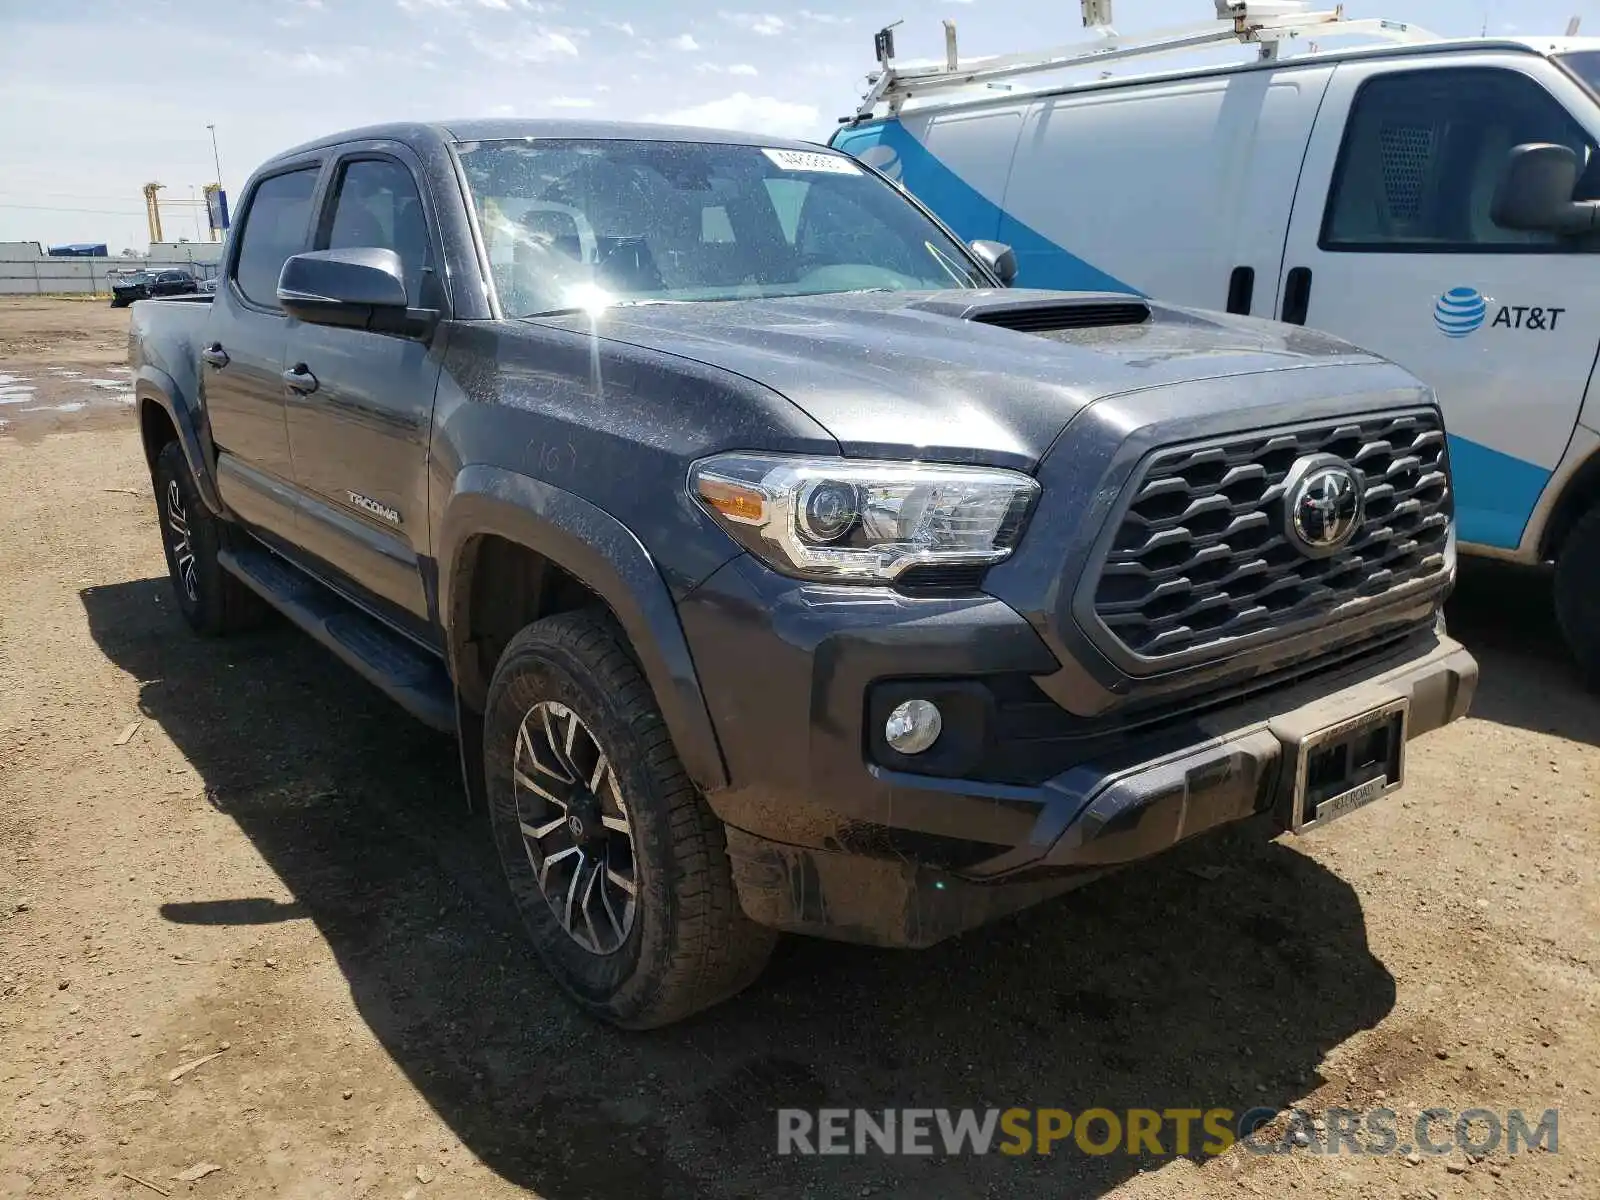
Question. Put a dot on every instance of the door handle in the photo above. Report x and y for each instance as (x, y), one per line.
(1297, 296)
(1241, 290)
(300, 379)
(214, 356)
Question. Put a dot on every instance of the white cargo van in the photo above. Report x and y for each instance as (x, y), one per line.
(1355, 191)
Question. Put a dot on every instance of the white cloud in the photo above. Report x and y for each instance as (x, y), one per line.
(308, 63)
(764, 24)
(502, 5)
(711, 68)
(571, 102)
(819, 18)
(742, 69)
(424, 5)
(684, 41)
(541, 46)
(624, 27)
(756, 114)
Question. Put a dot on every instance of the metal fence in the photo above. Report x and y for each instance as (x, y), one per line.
(84, 276)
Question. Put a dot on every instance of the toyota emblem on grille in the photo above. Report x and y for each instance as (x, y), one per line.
(1323, 505)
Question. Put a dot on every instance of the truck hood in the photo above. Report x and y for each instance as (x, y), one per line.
(973, 376)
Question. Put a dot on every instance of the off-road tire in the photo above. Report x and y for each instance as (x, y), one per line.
(689, 944)
(1577, 592)
(212, 601)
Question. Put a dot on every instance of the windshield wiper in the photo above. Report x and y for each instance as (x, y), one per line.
(573, 310)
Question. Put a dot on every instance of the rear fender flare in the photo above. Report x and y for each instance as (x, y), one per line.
(598, 550)
(154, 386)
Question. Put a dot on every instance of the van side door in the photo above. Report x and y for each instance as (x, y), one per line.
(1179, 189)
(360, 402)
(1392, 246)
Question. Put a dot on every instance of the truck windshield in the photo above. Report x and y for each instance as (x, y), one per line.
(1585, 65)
(582, 224)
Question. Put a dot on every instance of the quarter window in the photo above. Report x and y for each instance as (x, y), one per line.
(1424, 152)
(274, 228)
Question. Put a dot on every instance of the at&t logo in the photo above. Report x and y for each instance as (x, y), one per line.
(1463, 311)
(1460, 311)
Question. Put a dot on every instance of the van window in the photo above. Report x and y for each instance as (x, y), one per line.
(1424, 152)
(376, 204)
(274, 228)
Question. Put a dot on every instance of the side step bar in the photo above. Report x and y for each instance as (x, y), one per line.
(413, 678)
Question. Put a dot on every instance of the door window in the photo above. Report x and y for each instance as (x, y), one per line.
(1424, 152)
(274, 228)
(376, 203)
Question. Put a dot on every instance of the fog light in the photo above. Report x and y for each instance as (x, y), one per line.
(913, 726)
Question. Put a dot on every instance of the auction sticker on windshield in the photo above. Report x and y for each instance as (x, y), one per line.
(802, 160)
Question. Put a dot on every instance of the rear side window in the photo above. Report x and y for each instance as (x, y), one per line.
(376, 204)
(274, 228)
(1424, 152)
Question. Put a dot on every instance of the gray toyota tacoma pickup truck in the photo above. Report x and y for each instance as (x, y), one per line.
(776, 566)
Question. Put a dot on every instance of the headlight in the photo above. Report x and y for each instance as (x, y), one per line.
(857, 521)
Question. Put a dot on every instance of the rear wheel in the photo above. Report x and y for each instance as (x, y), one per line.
(211, 600)
(617, 866)
(1577, 588)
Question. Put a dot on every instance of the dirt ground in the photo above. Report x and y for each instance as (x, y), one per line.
(237, 852)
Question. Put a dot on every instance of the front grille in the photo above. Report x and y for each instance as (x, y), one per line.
(1047, 318)
(1201, 557)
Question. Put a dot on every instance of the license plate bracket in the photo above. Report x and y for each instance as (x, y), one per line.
(1348, 766)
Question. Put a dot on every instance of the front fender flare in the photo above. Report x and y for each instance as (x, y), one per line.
(602, 553)
(154, 386)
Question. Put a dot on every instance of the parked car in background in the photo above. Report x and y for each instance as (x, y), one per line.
(128, 286)
(145, 285)
(775, 565)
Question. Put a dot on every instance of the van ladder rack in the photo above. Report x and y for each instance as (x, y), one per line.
(1267, 24)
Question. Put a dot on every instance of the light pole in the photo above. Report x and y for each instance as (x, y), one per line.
(215, 156)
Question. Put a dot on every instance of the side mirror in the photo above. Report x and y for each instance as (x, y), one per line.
(358, 288)
(999, 258)
(1535, 193)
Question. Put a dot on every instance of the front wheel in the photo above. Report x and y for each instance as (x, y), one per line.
(212, 601)
(1577, 589)
(617, 866)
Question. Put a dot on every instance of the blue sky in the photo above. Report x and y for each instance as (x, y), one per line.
(100, 96)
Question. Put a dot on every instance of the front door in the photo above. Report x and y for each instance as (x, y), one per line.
(360, 413)
(1392, 247)
(242, 354)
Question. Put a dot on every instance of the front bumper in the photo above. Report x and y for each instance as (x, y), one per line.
(825, 842)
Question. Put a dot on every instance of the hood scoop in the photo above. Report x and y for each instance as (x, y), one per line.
(1048, 318)
(1041, 313)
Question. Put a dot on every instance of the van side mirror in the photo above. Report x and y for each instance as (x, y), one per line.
(1535, 193)
(999, 258)
(360, 287)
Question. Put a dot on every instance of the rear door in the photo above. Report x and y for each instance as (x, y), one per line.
(242, 353)
(360, 412)
(1393, 248)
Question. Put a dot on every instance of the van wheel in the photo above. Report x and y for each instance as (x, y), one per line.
(211, 600)
(619, 869)
(1577, 590)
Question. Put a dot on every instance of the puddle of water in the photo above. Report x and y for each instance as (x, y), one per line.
(73, 406)
(111, 384)
(14, 389)
(66, 374)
